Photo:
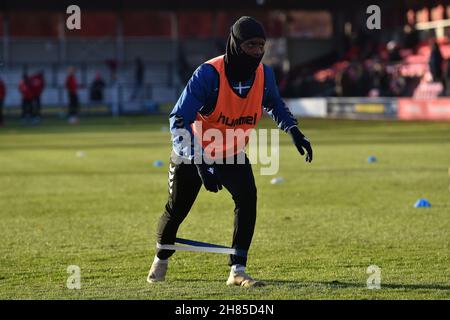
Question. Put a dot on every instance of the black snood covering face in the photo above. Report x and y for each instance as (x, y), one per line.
(240, 66)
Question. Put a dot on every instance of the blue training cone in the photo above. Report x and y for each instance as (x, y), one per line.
(158, 163)
(372, 159)
(422, 203)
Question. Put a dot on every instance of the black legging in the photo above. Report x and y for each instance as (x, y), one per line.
(26, 108)
(73, 104)
(36, 107)
(238, 179)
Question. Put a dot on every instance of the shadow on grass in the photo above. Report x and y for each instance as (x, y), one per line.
(329, 284)
(337, 284)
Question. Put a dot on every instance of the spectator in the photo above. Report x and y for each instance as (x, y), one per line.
(411, 36)
(37, 83)
(447, 79)
(397, 84)
(27, 97)
(361, 78)
(338, 80)
(380, 78)
(348, 82)
(435, 62)
(365, 78)
(112, 65)
(2, 98)
(393, 51)
(72, 89)
(97, 86)
(138, 78)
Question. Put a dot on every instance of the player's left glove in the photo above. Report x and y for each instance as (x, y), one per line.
(209, 177)
(301, 142)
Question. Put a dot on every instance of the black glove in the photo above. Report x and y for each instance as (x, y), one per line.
(301, 142)
(209, 177)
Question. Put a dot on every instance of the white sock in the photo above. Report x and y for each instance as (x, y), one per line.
(237, 268)
(158, 260)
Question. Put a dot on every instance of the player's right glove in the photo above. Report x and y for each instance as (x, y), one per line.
(209, 177)
(301, 142)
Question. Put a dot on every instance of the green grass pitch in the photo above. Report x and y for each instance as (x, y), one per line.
(316, 233)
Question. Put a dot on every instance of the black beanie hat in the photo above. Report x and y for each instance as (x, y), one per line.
(239, 66)
(246, 28)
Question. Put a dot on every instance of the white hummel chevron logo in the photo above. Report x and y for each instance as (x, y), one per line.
(171, 169)
(170, 184)
(171, 175)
